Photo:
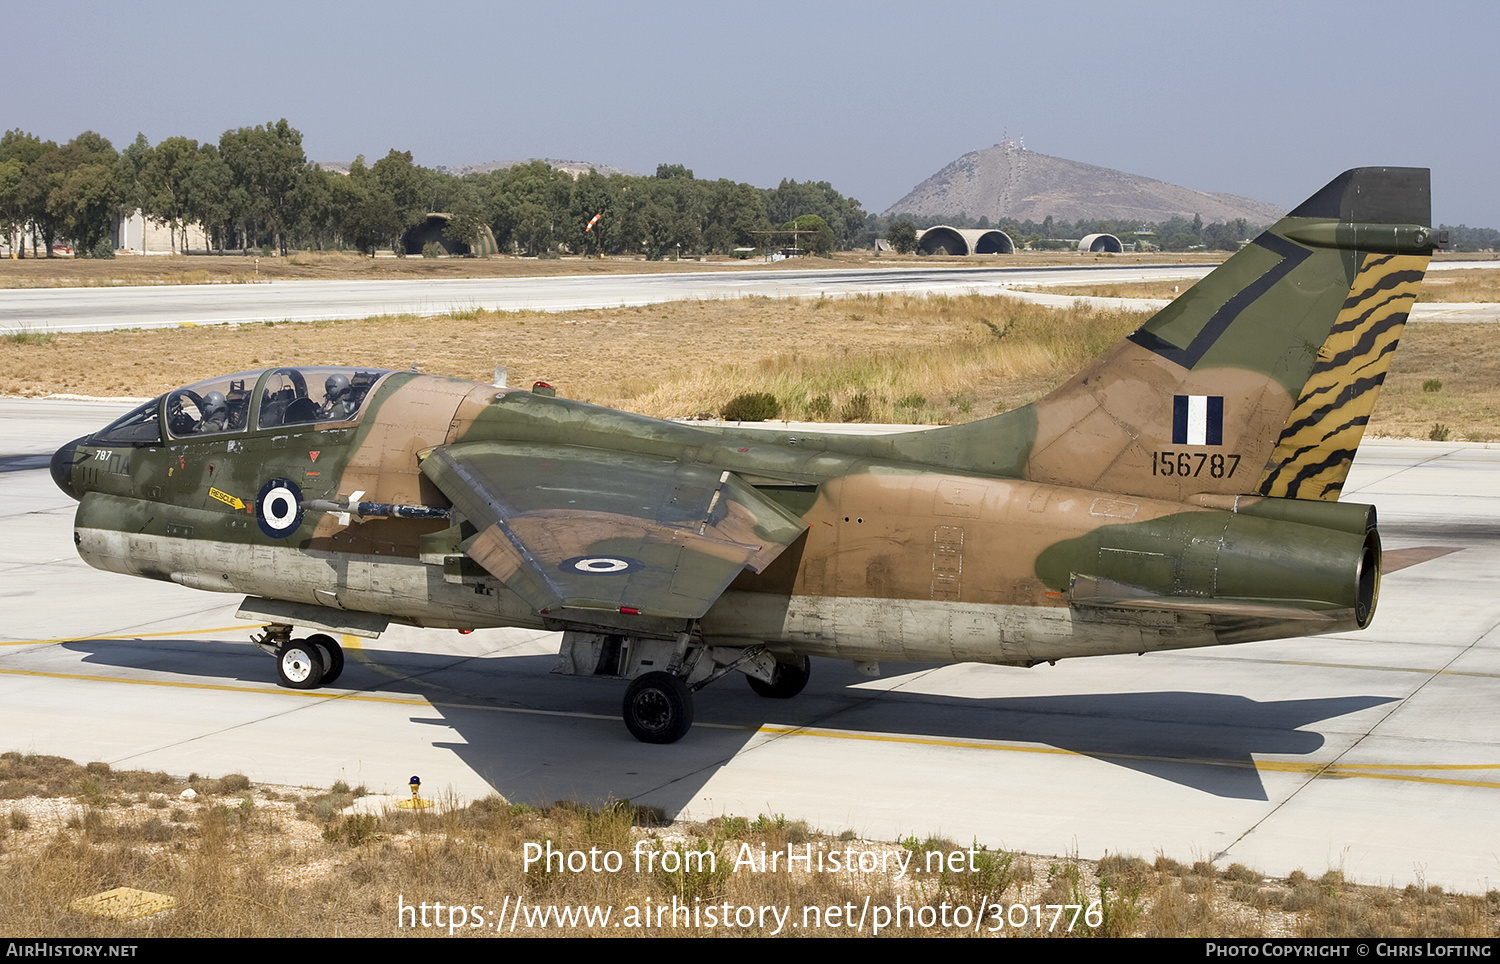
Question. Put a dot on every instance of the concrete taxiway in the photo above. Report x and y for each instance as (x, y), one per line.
(1376, 752)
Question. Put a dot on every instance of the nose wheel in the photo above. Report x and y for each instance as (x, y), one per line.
(333, 657)
(304, 664)
(299, 665)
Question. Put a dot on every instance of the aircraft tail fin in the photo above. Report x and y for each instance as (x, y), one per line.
(1258, 380)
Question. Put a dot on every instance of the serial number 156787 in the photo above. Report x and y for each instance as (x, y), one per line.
(1194, 464)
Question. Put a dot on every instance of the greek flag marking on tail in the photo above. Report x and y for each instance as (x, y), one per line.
(1198, 420)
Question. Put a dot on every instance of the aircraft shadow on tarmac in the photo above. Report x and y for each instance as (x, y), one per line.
(538, 738)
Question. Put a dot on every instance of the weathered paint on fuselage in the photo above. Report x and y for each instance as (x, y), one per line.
(900, 560)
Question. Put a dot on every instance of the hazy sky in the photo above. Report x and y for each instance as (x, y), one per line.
(1261, 99)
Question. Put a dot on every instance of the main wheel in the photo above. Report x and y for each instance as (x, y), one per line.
(658, 708)
(300, 665)
(333, 656)
(789, 680)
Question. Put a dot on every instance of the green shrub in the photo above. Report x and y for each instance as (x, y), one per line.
(354, 830)
(857, 409)
(751, 407)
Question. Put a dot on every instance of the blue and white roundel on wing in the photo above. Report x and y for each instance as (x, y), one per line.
(598, 565)
(278, 508)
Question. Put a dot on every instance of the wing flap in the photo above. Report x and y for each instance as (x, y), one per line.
(568, 527)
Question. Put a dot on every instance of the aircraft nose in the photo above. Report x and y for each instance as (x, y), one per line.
(63, 461)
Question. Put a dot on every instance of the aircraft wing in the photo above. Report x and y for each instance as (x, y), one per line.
(575, 528)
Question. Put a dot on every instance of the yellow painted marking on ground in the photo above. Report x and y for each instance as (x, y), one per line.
(1386, 669)
(188, 324)
(187, 634)
(1403, 772)
(1181, 654)
(1352, 770)
(221, 687)
(353, 647)
(352, 643)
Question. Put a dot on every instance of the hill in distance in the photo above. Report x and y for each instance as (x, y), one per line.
(1008, 181)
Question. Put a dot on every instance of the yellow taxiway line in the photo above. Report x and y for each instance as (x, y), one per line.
(1367, 771)
(1403, 772)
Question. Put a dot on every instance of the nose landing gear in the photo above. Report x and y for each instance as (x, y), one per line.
(302, 664)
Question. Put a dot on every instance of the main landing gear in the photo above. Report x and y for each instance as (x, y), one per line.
(665, 673)
(658, 708)
(787, 679)
(302, 664)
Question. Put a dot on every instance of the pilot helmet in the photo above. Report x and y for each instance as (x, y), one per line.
(213, 406)
(336, 389)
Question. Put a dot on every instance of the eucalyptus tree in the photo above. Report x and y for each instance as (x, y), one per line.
(166, 177)
(84, 192)
(267, 164)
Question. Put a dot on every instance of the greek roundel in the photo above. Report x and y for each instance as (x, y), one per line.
(278, 508)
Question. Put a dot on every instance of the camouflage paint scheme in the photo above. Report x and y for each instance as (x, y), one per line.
(1181, 491)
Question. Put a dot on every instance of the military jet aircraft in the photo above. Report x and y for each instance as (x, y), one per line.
(1181, 491)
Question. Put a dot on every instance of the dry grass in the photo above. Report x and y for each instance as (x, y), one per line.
(962, 357)
(879, 358)
(1124, 289)
(306, 265)
(1464, 285)
(1464, 362)
(252, 861)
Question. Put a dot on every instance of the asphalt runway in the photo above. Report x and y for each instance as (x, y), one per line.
(1377, 753)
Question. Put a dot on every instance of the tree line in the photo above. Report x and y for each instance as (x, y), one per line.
(256, 189)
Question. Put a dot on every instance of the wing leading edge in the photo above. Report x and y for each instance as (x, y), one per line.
(572, 528)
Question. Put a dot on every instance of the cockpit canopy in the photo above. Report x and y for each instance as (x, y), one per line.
(230, 404)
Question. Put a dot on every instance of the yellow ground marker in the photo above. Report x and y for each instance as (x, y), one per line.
(186, 634)
(1402, 772)
(1366, 771)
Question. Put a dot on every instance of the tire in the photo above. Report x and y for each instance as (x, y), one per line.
(658, 708)
(333, 657)
(300, 665)
(789, 680)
